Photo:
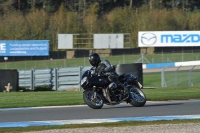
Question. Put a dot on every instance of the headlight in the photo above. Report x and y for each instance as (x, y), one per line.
(83, 80)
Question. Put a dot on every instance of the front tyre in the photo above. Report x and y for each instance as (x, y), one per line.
(137, 97)
(91, 101)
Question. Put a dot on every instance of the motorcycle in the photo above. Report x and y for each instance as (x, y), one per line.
(98, 90)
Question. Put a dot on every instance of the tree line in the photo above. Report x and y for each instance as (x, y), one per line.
(44, 19)
(105, 5)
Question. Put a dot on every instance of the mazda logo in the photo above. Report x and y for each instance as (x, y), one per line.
(148, 39)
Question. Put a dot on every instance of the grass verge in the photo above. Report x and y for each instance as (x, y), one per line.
(116, 124)
(58, 98)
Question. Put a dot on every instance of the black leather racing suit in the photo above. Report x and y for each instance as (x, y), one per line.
(104, 68)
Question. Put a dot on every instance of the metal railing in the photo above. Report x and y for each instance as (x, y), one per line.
(180, 76)
(58, 78)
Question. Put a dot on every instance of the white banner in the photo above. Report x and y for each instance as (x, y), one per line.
(168, 38)
(65, 41)
(102, 41)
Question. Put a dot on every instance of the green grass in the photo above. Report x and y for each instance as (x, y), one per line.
(123, 59)
(173, 93)
(34, 99)
(56, 98)
(152, 79)
(108, 125)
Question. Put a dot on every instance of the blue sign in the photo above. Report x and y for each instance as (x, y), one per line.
(180, 38)
(24, 48)
(169, 38)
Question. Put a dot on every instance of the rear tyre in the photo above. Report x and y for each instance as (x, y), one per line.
(95, 103)
(137, 97)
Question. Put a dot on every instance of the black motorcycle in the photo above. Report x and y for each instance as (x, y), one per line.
(98, 90)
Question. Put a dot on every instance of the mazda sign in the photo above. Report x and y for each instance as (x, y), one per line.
(148, 39)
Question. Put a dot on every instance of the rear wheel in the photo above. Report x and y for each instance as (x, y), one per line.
(92, 101)
(137, 97)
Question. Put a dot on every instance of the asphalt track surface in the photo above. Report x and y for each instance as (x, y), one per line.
(164, 108)
(59, 115)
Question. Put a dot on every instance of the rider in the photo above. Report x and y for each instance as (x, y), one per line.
(104, 68)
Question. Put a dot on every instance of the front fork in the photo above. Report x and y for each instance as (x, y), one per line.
(94, 92)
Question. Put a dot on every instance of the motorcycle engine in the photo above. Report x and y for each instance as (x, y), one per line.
(112, 87)
(116, 93)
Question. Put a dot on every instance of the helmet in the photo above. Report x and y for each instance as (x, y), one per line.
(94, 59)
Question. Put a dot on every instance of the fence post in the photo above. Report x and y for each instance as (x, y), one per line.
(80, 74)
(32, 79)
(163, 83)
(142, 58)
(56, 79)
(123, 59)
(175, 76)
(182, 55)
(189, 76)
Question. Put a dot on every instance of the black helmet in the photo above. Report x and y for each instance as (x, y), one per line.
(94, 59)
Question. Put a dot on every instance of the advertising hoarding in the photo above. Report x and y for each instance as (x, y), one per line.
(102, 41)
(24, 48)
(168, 38)
(65, 41)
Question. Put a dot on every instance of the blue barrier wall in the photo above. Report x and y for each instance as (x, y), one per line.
(160, 65)
(170, 64)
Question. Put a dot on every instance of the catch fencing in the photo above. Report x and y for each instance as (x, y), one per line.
(126, 58)
(180, 76)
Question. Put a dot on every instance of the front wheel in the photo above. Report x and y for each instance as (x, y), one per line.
(92, 101)
(137, 97)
